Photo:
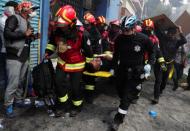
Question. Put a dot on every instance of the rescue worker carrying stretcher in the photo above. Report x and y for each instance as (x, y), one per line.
(101, 55)
(72, 46)
(159, 66)
(128, 59)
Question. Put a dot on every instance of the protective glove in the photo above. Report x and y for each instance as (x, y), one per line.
(147, 69)
(163, 66)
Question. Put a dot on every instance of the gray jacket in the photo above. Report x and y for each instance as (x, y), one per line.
(14, 34)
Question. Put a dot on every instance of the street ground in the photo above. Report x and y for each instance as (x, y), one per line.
(173, 113)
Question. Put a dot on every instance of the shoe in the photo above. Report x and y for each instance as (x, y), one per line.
(155, 101)
(22, 104)
(118, 120)
(75, 111)
(134, 101)
(9, 112)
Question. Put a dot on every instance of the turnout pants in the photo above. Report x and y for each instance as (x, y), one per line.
(69, 82)
(16, 72)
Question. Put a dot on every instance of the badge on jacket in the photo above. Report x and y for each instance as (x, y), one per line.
(137, 48)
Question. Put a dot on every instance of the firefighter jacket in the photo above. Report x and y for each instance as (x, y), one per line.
(71, 49)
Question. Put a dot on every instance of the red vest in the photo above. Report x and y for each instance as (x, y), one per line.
(73, 54)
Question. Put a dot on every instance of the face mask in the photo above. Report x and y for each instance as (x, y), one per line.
(9, 10)
(33, 14)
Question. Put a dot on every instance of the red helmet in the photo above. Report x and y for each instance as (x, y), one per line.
(101, 20)
(148, 23)
(66, 15)
(115, 22)
(88, 17)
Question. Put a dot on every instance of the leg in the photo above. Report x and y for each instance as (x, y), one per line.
(62, 85)
(176, 76)
(158, 79)
(165, 78)
(76, 93)
(13, 68)
(22, 81)
(89, 90)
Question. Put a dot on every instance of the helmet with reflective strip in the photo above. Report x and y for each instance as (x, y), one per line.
(66, 15)
(128, 22)
(101, 20)
(148, 23)
(88, 17)
(115, 22)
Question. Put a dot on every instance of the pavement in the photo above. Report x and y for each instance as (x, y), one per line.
(173, 113)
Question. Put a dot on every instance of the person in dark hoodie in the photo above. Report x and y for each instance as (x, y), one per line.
(169, 45)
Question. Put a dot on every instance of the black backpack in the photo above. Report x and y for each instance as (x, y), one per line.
(44, 79)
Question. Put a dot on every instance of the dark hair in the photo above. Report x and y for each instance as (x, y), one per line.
(11, 3)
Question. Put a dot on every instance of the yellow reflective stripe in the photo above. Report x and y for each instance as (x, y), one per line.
(51, 47)
(88, 59)
(75, 66)
(77, 103)
(171, 72)
(95, 55)
(107, 52)
(161, 59)
(89, 87)
(63, 99)
(146, 62)
(60, 61)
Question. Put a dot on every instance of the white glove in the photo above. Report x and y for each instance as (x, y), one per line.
(112, 71)
(147, 69)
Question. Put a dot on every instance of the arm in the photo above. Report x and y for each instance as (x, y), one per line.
(116, 54)
(150, 48)
(10, 27)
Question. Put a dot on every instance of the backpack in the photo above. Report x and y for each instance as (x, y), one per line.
(44, 79)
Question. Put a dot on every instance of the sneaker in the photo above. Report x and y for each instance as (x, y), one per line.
(9, 112)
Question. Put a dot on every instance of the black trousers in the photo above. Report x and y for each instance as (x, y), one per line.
(158, 73)
(68, 85)
(3, 77)
(128, 88)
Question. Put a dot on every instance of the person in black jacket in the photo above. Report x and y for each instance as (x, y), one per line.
(131, 70)
(169, 45)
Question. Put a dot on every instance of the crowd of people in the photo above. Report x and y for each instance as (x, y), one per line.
(129, 47)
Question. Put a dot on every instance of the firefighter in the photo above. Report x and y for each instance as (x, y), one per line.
(101, 53)
(130, 47)
(159, 66)
(113, 32)
(169, 44)
(72, 46)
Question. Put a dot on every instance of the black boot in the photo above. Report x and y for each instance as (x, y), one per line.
(118, 119)
(89, 96)
(155, 101)
(75, 111)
